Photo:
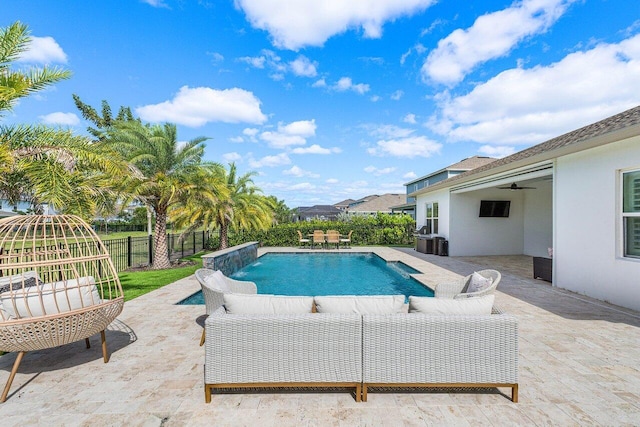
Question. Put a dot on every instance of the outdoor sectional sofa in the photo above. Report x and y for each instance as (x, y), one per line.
(344, 345)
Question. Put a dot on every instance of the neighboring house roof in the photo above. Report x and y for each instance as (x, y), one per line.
(5, 214)
(344, 203)
(319, 210)
(463, 165)
(381, 203)
(612, 129)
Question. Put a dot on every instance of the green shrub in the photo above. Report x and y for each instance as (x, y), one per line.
(380, 229)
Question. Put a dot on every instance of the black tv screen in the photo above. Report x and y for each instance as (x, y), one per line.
(494, 208)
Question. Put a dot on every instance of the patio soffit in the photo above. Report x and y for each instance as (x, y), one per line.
(532, 172)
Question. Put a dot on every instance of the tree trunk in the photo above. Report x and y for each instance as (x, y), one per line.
(224, 236)
(160, 252)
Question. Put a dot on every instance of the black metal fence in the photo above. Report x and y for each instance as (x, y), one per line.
(131, 252)
(138, 251)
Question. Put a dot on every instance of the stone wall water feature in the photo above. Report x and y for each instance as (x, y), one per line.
(232, 259)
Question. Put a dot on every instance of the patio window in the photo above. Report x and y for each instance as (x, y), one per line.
(631, 213)
(431, 219)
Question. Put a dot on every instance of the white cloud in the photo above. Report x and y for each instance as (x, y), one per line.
(418, 48)
(410, 175)
(345, 83)
(397, 95)
(231, 157)
(236, 139)
(294, 24)
(378, 172)
(320, 83)
(294, 133)
(270, 161)
(195, 107)
(156, 3)
(528, 106)
(43, 50)
(315, 149)
(413, 146)
(254, 61)
(304, 128)
(492, 35)
(332, 181)
(496, 151)
(216, 56)
(375, 98)
(299, 172)
(410, 118)
(389, 131)
(64, 119)
(302, 66)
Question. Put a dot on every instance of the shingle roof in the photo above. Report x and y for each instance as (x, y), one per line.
(579, 139)
(319, 210)
(463, 165)
(345, 202)
(381, 203)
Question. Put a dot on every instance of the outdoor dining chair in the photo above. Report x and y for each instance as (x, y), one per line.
(301, 240)
(318, 238)
(347, 240)
(333, 238)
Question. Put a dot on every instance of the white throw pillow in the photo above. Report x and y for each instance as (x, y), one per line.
(266, 304)
(360, 304)
(478, 283)
(57, 297)
(479, 305)
(15, 282)
(217, 282)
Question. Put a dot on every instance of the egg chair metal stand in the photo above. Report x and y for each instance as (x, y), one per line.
(58, 285)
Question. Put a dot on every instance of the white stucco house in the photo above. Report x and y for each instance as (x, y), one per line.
(581, 198)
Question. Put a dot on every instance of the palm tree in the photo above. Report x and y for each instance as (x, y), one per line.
(39, 162)
(242, 207)
(167, 170)
(14, 85)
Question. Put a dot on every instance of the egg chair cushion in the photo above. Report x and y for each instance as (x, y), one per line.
(51, 298)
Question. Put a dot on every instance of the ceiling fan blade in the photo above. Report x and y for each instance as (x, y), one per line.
(515, 186)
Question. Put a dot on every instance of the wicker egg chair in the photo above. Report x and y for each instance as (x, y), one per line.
(57, 285)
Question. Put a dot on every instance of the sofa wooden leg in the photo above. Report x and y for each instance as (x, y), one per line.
(87, 342)
(202, 338)
(364, 392)
(514, 393)
(207, 393)
(12, 375)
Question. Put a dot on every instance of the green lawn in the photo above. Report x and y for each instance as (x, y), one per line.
(136, 283)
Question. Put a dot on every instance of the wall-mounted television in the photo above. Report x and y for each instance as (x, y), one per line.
(494, 208)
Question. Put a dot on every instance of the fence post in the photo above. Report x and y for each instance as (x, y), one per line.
(194, 242)
(182, 248)
(150, 249)
(129, 252)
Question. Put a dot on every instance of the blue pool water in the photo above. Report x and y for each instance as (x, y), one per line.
(327, 274)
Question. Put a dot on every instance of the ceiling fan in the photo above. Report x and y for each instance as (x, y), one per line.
(515, 186)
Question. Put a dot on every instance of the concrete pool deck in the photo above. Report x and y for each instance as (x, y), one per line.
(579, 365)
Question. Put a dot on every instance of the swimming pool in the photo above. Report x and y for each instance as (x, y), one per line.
(327, 274)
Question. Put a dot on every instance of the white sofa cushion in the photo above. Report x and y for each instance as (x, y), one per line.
(360, 304)
(478, 283)
(266, 304)
(57, 297)
(479, 305)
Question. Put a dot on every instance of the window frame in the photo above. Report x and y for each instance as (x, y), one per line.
(432, 220)
(625, 215)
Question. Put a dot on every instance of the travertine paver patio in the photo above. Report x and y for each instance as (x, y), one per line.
(579, 365)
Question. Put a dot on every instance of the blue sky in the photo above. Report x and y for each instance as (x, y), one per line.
(332, 100)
